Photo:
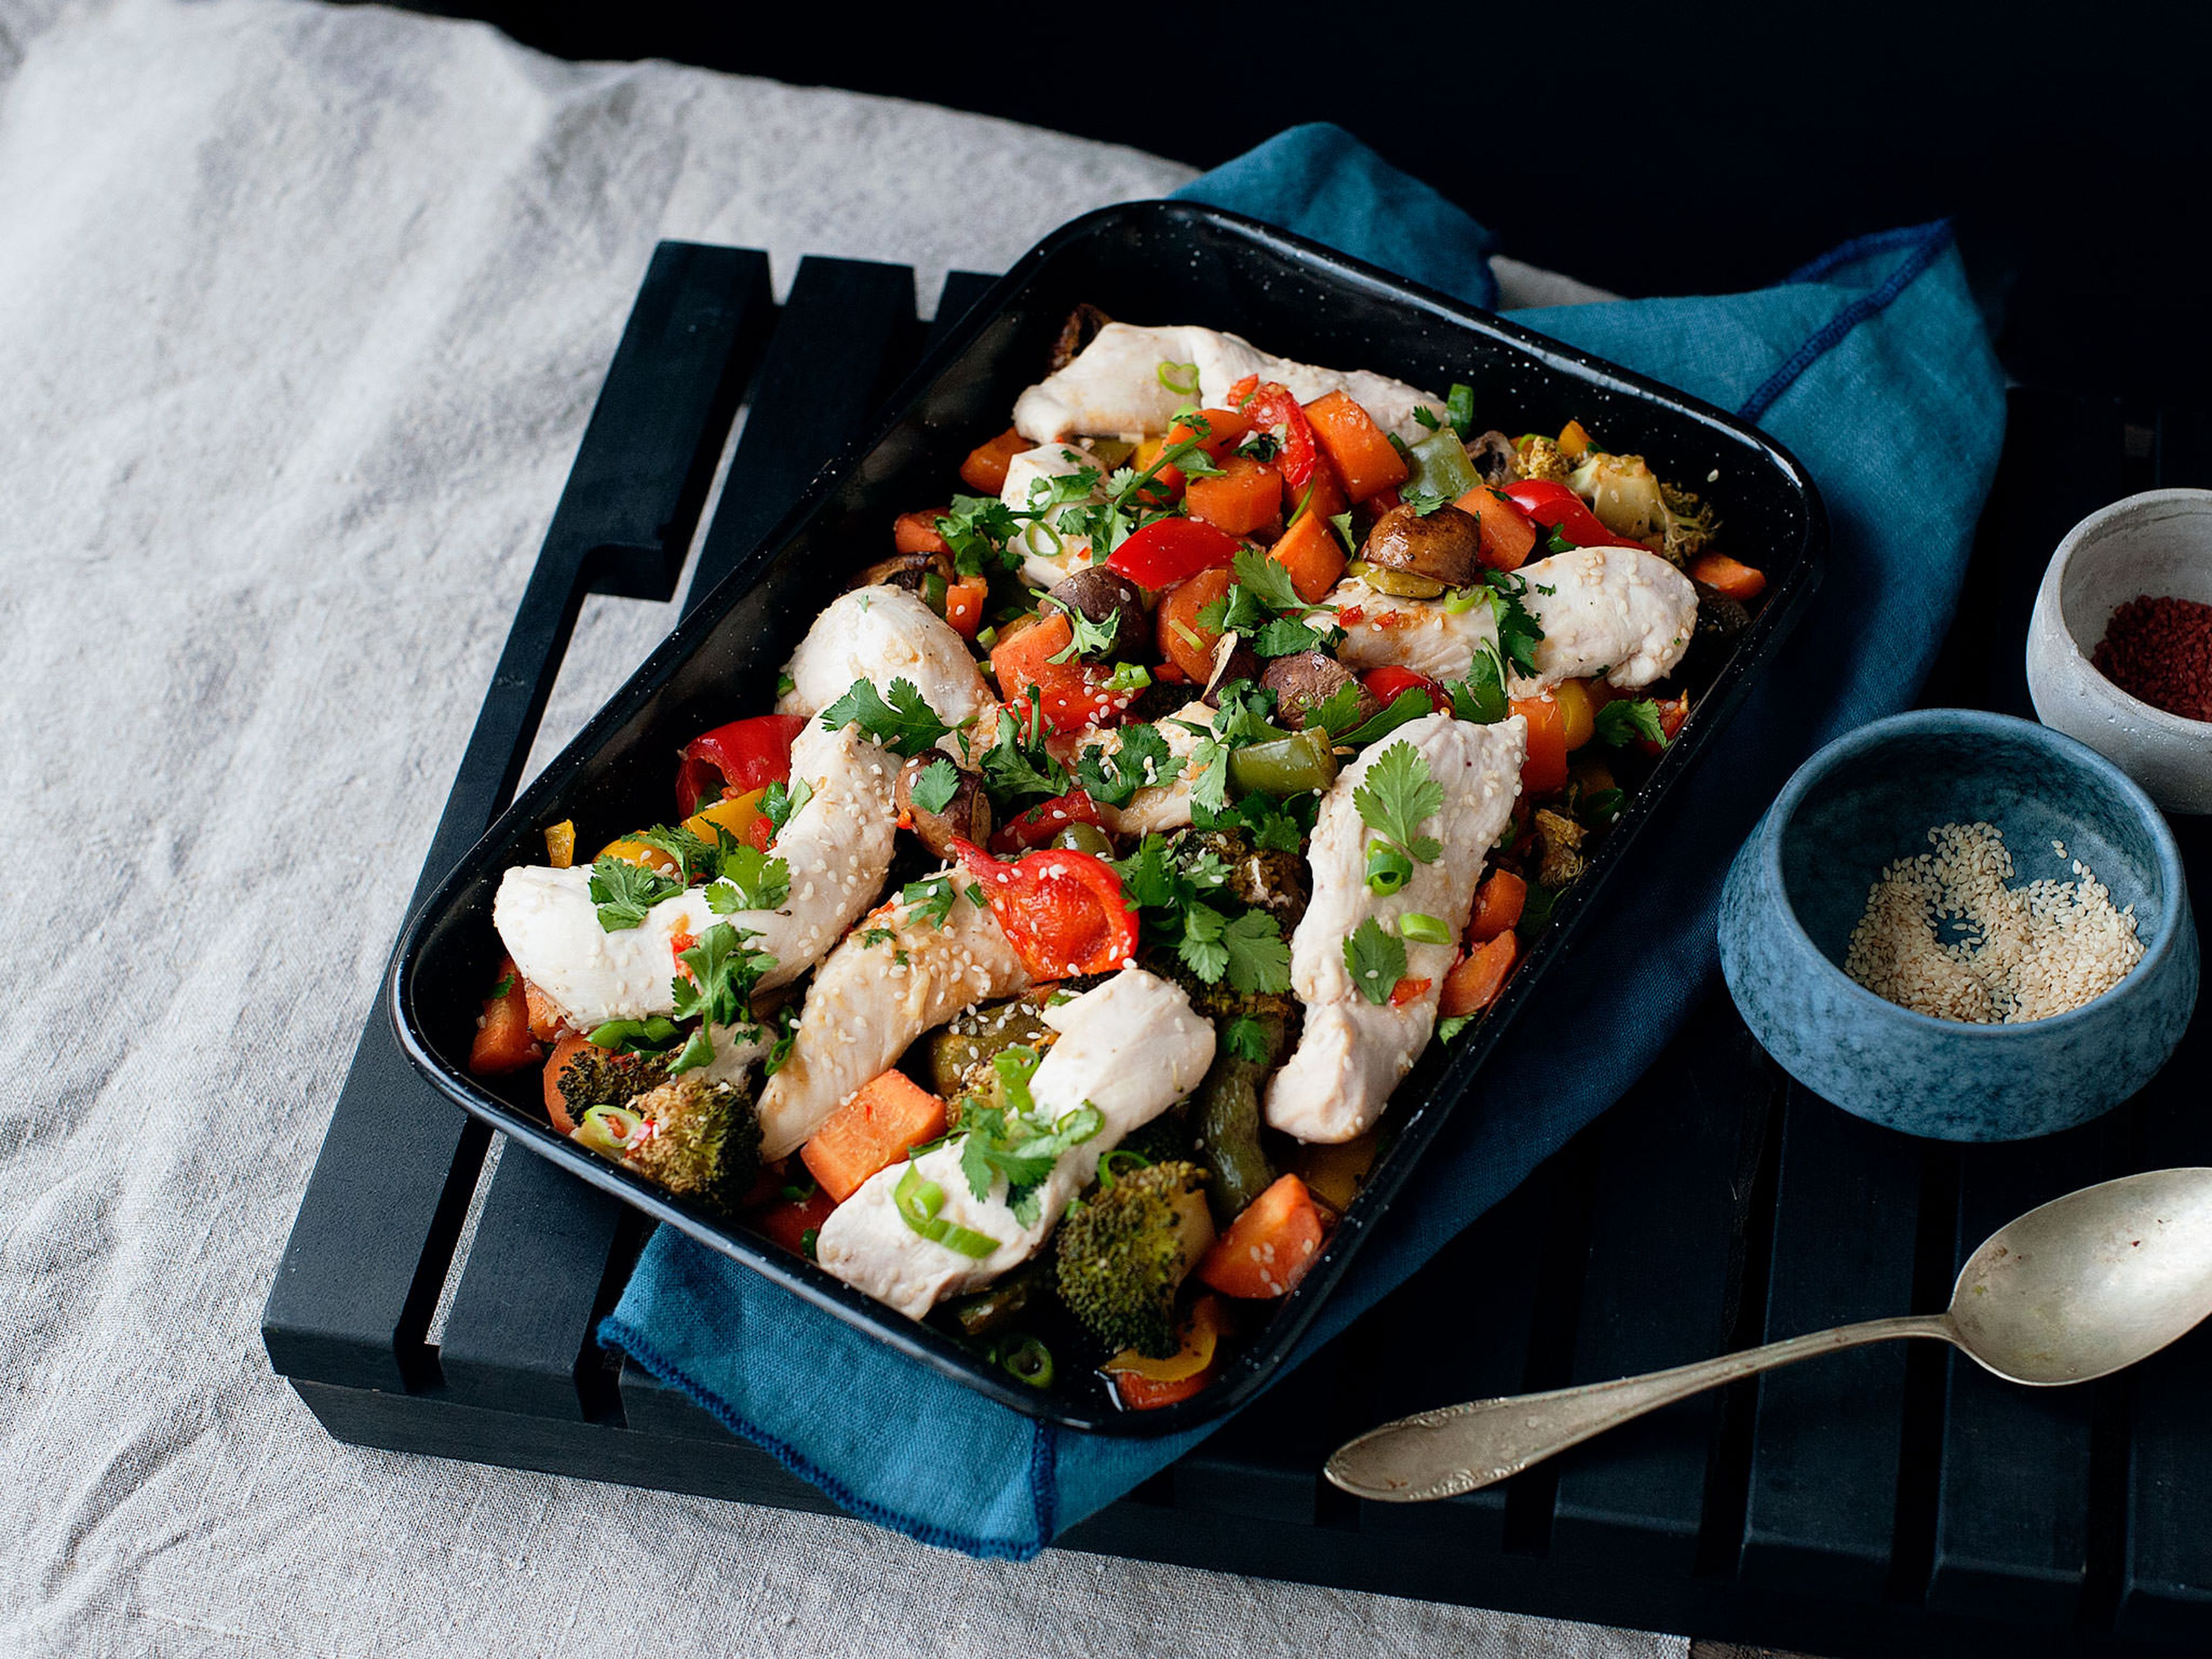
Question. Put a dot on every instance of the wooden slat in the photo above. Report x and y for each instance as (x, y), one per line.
(847, 332)
(2166, 1574)
(368, 1249)
(1671, 1172)
(1825, 1440)
(2011, 1528)
(1487, 1279)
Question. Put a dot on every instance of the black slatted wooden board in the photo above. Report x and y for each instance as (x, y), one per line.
(1891, 1500)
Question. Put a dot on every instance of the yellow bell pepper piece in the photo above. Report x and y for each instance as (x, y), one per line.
(1574, 442)
(1576, 715)
(737, 814)
(561, 844)
(1334, 1174)
(1201, 1333)
(640, 855)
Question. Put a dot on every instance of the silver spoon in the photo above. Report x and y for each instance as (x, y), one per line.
(2083, 1287)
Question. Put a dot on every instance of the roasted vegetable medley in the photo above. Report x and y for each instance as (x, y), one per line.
(1044, 964)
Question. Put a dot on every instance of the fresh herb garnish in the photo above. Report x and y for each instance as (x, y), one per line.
(1421, 414)
(935, 785)
(1458, 410)
(1603, 805)
(1113, 776)
(929, 900)
(918, 1200)
(1181, 379)
(1085, 637)
(1017, 765)
(1450, 1027)
(1423, 501)
(624, 891)
(634, 1037)
(905, 724)
(1518, 631)
(1480, 697)
(717, 989)
(1375, 960)
(781, 801)
(506, 984)
(1407, 706)
(1247, 1039)
(1012, 1141)
(1621, 722)
(750, 880)
(786, 1033)
(1250, 949)
(1394, 797)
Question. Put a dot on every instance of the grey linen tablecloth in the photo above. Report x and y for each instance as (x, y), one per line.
(301, 313)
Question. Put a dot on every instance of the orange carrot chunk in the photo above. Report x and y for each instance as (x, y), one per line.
(916, 533)
(871, 1132)
(1359, 451)
(503, 1042)
(1545, 770)
(984, 472)
(1182, 642)
(1497, 906)
(1246, 496)
(963, 605)
(556, 1103)
(1474, 985)
(545, 1022)
(1508, 534)
(1738, 581)
(1310, 551)
(1268, 1248)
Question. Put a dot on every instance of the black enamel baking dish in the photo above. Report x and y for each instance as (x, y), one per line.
(1153, 262)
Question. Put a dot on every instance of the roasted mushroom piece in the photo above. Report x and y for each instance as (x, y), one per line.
(1304, 680)
(1080, 328)
(911, 571)
(1444, 545)
(1493, 454)
(1108, 599)
(1233, 659)
(1720, 620)
(967, 814)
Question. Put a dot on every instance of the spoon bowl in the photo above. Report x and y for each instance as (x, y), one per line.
(2084, 1287)
(2090, 1283)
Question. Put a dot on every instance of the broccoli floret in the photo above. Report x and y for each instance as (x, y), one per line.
(704, 1139)
(597, 1076)
(1125, 1251)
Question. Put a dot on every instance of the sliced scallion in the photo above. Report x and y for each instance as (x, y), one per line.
(1424, 929)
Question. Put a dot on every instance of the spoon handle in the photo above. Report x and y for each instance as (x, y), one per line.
(1441, 1454)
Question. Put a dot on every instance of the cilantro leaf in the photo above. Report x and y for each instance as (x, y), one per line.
(786, 1033)
(1449, 1028)
(935, 785)
(1017, 765)
(780, 802)
(1086, 638)
(1201, 947)
(929, 900)
(1375, 960)
(906, 724)
(1480, 697)
(1283, 638)
(1276, 826)
(1268, 580)
(1247, 1039)
(1259, 957)
(977, 529)
(1209, 768)
(751, 880)
(692, 856)
(1421, 414)
(1518, 631)
(1339, 712)
(1396, 794)
(1341, 523)
(624, 891)
(1423, 501)
(1621, 722)
(717, 989)
(1148, 875)
(1113, 776)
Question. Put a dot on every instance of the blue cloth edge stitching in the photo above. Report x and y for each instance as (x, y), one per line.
(1926, 241)
(616, 1334)
(1876, 241)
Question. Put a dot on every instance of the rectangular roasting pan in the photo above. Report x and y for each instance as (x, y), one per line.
(1147, 262)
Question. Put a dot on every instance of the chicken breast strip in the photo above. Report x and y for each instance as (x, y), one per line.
(880, 635)
(1115, 388)
(837, 847)
(896, 976)
(1385, 631)
(1620, 610)
(1353, 1051)
(1131, 1048)
(1159, 808)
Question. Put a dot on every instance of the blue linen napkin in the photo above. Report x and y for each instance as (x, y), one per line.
(1871, 365)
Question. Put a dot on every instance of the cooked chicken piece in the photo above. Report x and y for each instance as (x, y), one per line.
(1416, 634)
(1616, 608)
(1159, 808)
(837, 847)
(1049, 554)
(1131, 1048)
(895, 978)
(880, 635)
(1352, 1052)
(1114, 386)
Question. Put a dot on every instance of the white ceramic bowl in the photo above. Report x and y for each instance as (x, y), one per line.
(2157, 542)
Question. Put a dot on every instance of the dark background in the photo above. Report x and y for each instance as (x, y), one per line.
(1652, 149)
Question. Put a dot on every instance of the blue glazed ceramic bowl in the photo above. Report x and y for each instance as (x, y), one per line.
(1799, 886)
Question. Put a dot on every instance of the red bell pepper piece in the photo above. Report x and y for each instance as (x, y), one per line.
(1045, 820)
(1555, 507)
(1672, 714)
(1169, 550)
(1062, 911)
(1272, 409)
(1390, 681)
(736, 759)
